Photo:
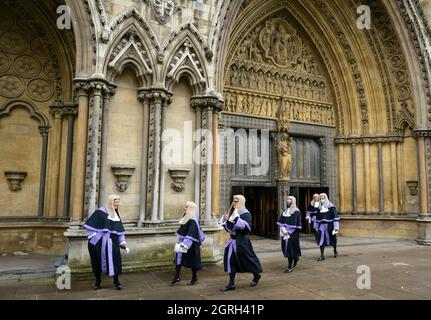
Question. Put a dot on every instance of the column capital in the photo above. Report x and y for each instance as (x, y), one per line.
(422, 133)
(155, 95)
(210, 102)
(95, 86)
(44, 130)
(56, 109)
(70, 109)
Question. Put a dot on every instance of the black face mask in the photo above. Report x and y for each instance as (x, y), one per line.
(288, 205)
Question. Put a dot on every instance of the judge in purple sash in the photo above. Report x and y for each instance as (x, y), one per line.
(313, 208)
(105, 234)
(187, 250)
(327, 225)
(239, 255)
(289, 223)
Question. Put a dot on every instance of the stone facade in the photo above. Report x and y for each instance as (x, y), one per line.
(89, 111)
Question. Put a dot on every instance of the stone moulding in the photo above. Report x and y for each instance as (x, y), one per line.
(15, 179)
(178, 175)
(413, 187)
(122, 174)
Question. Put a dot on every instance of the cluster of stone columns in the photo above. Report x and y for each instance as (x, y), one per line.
(424, 164)
(89, 161)
(60, 112)
(207, 109)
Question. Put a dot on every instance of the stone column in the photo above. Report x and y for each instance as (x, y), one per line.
(215, 205)
(55, 155)
(142, 94)
(283, 188)
(97, 89)
(341, 176)
(69, 111)
(208, 104)
(165, 104)
(394, 176)
(367, 172)
(197, 166)
(424, 163)
(354, 185)
(380, 171)
(79, 154)
(107, 94)
(44, 132)
(156, 98)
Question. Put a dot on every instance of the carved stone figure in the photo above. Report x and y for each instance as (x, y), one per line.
(284, 156)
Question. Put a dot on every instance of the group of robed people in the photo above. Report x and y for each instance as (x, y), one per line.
(106, 238)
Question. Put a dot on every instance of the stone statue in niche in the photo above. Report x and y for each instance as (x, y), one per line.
(269, 83)
(261, 81)
(245, 105)
(243, 78)
(255, 54)
(284, 156)
(252, 79)
(234, 76)
(280, 43)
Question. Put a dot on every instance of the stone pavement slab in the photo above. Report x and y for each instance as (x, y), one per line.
(400, 269)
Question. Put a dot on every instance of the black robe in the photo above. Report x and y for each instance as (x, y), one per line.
(191, 235)
(239, 255)
(104, 246)
(325, 223)
(291, 247)
(312, 212)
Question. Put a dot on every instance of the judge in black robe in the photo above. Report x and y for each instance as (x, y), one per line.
(106, 235)
(327, 225)
(310, 214)
(190, 237)
(289, 223)
(239, 255)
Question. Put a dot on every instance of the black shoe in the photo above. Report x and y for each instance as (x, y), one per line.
(288, 270)
(97, 286)
(295, 262)
(321, 258)
(118, 286)
(228, 288)
(335, 254)
(175, 280)
(255, 281)
(193, 281)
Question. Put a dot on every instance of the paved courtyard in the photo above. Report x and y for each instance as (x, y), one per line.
(399, 270)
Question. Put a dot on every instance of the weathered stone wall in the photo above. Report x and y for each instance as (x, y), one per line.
(180, 116)
(124, 143)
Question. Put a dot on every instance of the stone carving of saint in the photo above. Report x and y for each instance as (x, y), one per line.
(234, 76)
(245, 104)
(261, 81)
(253, 80)
(278, 44)
(243, 78)
(255, 53)
(284, 156)
(269, 83)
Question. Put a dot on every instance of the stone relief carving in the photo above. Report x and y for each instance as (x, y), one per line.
(162, 9)
(284, 152)
(131, 47)
(15, 179)
(279, 42)
(27, 62)
(273, 64)
(186, 57)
